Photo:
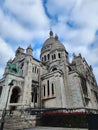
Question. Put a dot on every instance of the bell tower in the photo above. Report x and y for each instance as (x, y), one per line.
(29, 50)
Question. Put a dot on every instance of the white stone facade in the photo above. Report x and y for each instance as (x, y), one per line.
(49, 83)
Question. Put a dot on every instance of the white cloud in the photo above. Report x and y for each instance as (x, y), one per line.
(90, 54)
(10, 28)
(95, 70)
(6, 52)
(59, 8)
(25, 20)
(84, 14)
(1, 71)
(37, 53)
(29, 11)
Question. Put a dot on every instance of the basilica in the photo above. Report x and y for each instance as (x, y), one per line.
(51, 82)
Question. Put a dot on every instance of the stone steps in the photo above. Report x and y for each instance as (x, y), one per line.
(18, 122)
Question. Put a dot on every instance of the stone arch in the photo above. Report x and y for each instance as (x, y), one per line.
(15, 95)
(53, 68)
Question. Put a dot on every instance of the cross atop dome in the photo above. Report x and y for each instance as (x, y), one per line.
(51, 33)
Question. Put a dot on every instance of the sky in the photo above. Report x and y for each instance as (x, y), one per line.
(24, 22)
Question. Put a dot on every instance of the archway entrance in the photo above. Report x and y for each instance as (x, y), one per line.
(15, 96)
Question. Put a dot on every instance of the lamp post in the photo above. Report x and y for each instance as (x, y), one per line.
(4, 110)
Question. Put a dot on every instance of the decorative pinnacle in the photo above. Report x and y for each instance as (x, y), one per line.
(74, 55)
(30, 47)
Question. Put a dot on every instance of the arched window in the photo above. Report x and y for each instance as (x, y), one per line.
(35, 69)
(48, 89)
(54, 69)
(45, 58)
(44, 91)
(96, 95)
(0, 90)
(54, 56)
(59, 55)
(84, 86)
(36, 97)
(32, 96)
(52, 89)
(70, 69)
(48, 56)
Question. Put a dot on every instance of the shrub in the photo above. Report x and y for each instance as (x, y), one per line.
(63, 119)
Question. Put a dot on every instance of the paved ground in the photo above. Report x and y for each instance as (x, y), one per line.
(54, 128)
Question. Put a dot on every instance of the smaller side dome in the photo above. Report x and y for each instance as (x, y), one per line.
(56, 37)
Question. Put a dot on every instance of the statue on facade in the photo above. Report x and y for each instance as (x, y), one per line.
(12, 67)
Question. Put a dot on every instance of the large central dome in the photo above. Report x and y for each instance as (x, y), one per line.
(52, 43)
(52, 50)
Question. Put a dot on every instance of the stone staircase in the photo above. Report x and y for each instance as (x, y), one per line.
(15, 122)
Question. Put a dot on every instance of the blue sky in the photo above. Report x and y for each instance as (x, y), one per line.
(24, 22)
